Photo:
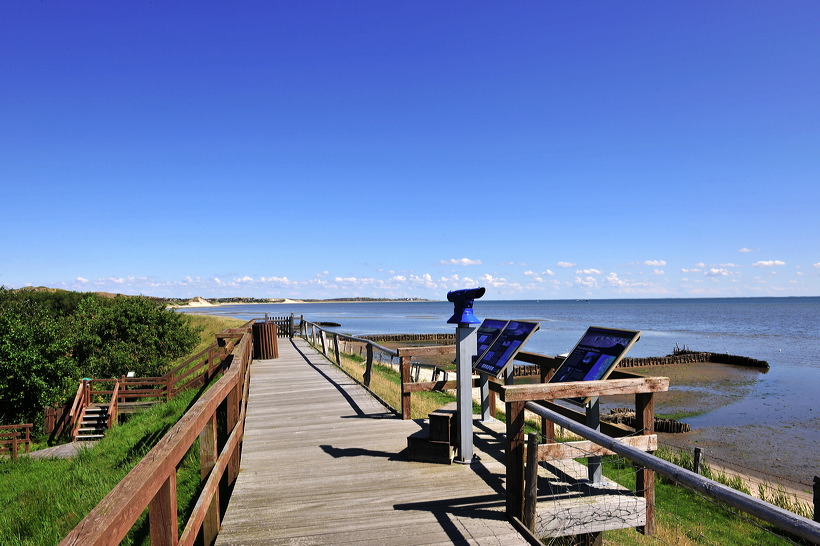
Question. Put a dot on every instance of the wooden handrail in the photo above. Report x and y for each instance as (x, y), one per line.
(152, 482)
(81, 402)
(113, 406)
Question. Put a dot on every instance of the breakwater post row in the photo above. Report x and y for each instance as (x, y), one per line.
(693, 358)
(445, 339)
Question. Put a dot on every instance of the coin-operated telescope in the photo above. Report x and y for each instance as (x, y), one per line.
(463, 305)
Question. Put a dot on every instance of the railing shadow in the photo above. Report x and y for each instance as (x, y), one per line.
(360, 413)
(341, 452)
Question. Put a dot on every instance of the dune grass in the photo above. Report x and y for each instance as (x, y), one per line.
(43, 499)
(207, 327)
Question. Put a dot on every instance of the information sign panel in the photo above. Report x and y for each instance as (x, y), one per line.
(498, 342)
(595, 355)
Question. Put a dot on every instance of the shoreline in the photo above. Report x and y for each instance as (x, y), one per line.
(203, 303)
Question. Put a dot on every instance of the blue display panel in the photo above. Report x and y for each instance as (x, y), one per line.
(498, 342)
(595, 355)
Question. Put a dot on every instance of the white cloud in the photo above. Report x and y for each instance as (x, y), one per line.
(549, 272)
(745, 250)
(693, 270)
(82, 280)
(768, 263)
(659, 272)
(565, 264)
(589, 282)
(279, 280)
(817, 265)
(243, 279)
(398, 278)
(655, 263)
(587, 272)
(529, 273)
(718, 272)
(462, 261)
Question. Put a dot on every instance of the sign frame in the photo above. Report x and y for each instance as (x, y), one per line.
(593, 359)
(499, 341)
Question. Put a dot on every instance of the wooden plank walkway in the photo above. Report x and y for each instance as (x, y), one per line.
(323, 463)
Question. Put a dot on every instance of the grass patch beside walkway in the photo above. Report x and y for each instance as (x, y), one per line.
(43, 499)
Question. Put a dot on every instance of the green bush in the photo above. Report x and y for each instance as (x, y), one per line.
(49, 340)
(35, 366)
(128, 334)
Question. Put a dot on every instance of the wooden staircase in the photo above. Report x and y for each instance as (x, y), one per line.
(93, 423)
(437, 443)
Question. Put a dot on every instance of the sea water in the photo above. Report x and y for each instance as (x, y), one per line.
(785, 332)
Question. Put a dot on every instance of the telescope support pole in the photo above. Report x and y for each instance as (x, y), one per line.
(465, 351)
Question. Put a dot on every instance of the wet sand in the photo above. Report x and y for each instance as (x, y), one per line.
(763, 453)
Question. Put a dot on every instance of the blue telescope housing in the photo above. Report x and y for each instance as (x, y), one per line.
(463, 305)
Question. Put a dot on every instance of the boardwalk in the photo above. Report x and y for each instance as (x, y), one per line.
(323, 463)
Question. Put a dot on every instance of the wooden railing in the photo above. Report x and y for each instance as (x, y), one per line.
(15, 437)
(195, 371)
(81, 401)
(331, 344)
(327, 341)
(634, 449)
(152, 482)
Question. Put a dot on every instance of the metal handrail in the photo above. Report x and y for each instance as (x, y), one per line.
(780, 518)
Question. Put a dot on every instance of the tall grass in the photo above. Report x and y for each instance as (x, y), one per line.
(207, 327)
(43, 499)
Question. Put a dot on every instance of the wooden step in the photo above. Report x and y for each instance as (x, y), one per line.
(422, 449)
(88, 437)
(444, 424)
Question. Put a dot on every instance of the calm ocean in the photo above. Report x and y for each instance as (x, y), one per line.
(783, 331)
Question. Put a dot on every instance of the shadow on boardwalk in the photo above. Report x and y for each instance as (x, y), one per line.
(324, 463)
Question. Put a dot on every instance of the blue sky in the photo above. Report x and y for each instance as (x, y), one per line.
(313, 149)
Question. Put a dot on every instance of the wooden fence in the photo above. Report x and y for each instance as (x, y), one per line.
(15, 437)
(152, 482)
(124, 392)
(520, 506)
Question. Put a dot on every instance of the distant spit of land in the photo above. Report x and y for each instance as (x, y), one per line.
(202, 302)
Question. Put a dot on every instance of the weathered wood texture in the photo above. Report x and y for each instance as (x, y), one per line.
(323, 463)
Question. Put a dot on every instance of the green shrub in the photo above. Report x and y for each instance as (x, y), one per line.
(128, 334)
(49, 340)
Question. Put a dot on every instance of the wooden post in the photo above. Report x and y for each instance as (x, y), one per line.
(531, 483)
(514, 459)
(162, 513)
(645, 478)
(368, 366)
(697, 459)
(336, 350)
(14, 445)
(547, 426)
(405, 378)
(208, 453)
(232, 401)
(210, 362)
(323, 337)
